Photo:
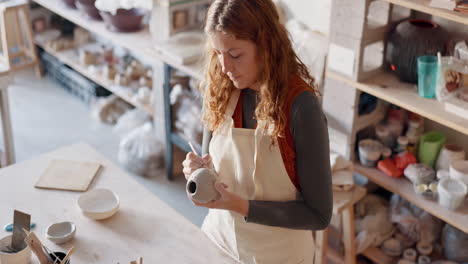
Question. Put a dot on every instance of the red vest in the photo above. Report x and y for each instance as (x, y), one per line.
(286, 144)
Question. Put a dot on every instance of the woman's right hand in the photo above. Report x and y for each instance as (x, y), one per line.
(193, 162)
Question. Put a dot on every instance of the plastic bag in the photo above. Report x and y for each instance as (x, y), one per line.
(372, 223)
(452, 75)
(413, 222)
(130, 120)
(141, 152)
(187, 112)
(455, 244)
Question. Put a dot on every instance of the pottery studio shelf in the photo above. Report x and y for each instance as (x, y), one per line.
(386, 86)
(70, 58)
(404, 188)
(423, 6)
(139, 43)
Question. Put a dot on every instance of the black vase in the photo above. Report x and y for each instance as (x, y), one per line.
(409, 40)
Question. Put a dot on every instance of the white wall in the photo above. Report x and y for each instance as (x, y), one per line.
(314, 13)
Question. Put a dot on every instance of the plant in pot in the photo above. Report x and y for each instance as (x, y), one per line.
(88, 8)
(124, 15)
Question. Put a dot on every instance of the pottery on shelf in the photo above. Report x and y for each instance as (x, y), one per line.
(451, 192)
(124, 20)
(459, 170)
(99, 204)
(60, 233)
(88, 8)
(201, 186)
(409, 40)
(369, 152)
(410, 254)
(70, 3)
(392, 247)
(449, 153)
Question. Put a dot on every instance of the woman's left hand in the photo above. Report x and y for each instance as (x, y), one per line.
(227, 201)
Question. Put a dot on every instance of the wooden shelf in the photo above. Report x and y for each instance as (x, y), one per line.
(139, 43)
(377, 256)
(423, 6)
(404, 188)
(69, 57)
(386, 86)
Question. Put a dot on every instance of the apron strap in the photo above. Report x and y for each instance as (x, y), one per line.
(232, 103)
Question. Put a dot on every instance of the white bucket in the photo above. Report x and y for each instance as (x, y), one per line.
(22, 257)
(452, 192)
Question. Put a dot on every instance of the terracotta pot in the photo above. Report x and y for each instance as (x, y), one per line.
(70, 3)
(124, 20)
(87, 7)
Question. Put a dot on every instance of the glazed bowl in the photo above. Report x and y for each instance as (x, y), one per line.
(99, 204)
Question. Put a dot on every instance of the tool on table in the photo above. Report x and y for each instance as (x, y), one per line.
(37, 248)
(67, 256)
(20, 221)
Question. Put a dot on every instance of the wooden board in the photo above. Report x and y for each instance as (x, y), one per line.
(68, 175)
(341, 200)
(404, 188)
(386, 86)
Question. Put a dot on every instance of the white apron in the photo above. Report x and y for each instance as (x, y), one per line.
(254, 170)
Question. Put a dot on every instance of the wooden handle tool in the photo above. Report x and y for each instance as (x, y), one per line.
(67, 256)
(36, 246)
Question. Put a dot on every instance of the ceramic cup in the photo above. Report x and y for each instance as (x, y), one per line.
(21, 257)
(392, 247)
(429, 147)
(451, 192)
(459, 170)
(201, 186)
(424, 260)
(449, 153)
(369, 152)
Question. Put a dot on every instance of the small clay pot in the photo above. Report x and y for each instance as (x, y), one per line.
(201, 186)
(70, 3)
(109, 72)
(87, 7)
(121, 79)
(124, 20)
(369, 152)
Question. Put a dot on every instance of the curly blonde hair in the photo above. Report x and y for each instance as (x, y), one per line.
(257, 21)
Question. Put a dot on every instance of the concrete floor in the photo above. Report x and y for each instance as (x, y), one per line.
(46, 117)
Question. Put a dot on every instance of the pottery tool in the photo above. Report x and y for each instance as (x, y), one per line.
(20, 221)
(193, 148)
(37, 248)
(67, 256)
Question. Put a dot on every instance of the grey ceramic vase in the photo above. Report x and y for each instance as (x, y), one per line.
(201, 186)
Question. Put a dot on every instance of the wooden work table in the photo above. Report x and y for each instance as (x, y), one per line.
(144, 226)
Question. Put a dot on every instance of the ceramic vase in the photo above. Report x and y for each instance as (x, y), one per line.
(409, 40)
(201, 186)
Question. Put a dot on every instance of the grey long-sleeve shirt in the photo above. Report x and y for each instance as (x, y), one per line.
(313, 209)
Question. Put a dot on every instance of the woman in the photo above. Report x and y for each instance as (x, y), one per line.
(270, 141)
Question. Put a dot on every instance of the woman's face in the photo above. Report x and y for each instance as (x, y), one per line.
(238, 59)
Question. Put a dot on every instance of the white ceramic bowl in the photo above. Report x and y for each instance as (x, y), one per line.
(61, 232)
(99, 204)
